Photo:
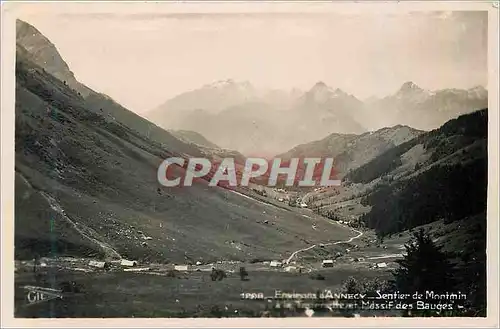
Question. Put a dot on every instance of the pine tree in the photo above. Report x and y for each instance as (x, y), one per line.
(243, 274)
(424, 268)
(352, 286)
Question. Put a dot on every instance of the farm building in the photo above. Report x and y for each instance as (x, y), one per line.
(381, 265)
(98, 264)
(328, 263)
(275, 263)
(126, 262)
(181, 268)
(291, 269)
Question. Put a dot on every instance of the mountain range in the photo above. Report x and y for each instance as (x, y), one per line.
(271, 122)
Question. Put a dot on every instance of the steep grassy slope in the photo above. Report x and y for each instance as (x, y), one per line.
(86, 185)
(193, 137)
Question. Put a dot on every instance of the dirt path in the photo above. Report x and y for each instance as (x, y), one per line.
(85, 231)
(360, 234)
(387, 256)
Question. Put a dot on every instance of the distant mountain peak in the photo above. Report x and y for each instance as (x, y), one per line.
(339, 92)
(322, 87)
(478, 88)
(409, 86)
(320, 84)
(478, 92)
(229, 83)
(320, 92)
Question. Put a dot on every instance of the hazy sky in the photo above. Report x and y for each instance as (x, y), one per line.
(143, 60)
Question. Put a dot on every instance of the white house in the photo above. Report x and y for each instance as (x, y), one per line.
(183, 268)
(291, 269)
(381, 265)
(275, 263)
(98, 264)
(328, 263)
(126, 262)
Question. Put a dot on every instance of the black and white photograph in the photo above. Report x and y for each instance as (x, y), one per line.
(250, 163)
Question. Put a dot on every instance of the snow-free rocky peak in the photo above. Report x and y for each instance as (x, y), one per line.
(408, 87)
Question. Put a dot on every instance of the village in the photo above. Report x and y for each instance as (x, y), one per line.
(324, 258)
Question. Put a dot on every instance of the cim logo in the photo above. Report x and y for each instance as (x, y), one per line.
(37, 295)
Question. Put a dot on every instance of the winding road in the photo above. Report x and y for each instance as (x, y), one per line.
(360, 234)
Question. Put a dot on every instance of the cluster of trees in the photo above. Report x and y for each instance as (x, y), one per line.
(449, 192)
(260, 192)
(218, 274)
(474, 125)
(330, 214)
(426, 267)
